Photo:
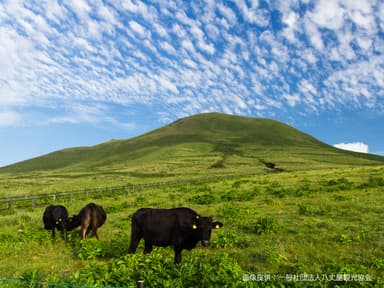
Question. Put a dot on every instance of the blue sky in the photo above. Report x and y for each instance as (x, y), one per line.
(78, 73)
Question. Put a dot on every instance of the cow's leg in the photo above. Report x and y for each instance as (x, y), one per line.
(53, 233)
(84, 229)
(134, 243)
(94, 232)
(135, 238)
(147, 248)
(177, 255)
(94, 227)
(63, 230)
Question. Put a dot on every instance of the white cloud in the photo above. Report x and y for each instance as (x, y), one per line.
(138, 28)
(314, 35)
(10, 118)
(355, 146)
(127, 52)
(327, 14)
(137, 7)
(228, 13)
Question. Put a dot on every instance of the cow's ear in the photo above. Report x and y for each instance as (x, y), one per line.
(195, 222)
(217, 225)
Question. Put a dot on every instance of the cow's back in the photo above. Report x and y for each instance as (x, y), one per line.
(93, 215)
(99, 216)
(55, 213)
(159, 226)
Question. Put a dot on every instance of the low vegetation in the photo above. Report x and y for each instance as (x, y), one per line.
(278, 227)
(296, 212)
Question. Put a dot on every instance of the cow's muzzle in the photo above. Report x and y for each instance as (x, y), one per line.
(205, 243)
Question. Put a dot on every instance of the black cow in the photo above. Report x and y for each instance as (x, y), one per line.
(56, 216)
(91, 217)
(181, 228)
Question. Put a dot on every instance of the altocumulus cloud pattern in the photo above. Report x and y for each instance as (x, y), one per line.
(86, 61)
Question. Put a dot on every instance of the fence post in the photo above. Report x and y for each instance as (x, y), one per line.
(53, 198)
(71, 197)
(10, 204)
(140, 284)
(33, 202)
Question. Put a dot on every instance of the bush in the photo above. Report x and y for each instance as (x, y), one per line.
(340, 184)
(158, 270)
(266, 225)
(203, 199)
(308, 210)
(225, 239)
(90, 249)
(218, 164)
(281, 192)
(373, 182)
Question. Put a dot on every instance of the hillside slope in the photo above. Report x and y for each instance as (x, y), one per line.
(198, 143)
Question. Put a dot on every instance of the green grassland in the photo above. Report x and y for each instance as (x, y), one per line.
(323, 222)
(318, 214)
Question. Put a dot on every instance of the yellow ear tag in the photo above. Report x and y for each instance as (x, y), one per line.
(194, 226)
(217, 226)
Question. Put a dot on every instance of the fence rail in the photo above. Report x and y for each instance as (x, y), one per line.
(39, 200)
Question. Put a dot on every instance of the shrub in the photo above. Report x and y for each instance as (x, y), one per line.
(225, 239)
(274, 257)
(345, 238)
(33, 278)
(116, 247)
(158, 270)
(140, 200)
(266, 225)
(218, 164)
(280, 192)
(373, 181)
(202, 199)
(231, 212)
(90, 249)
(238, 183)
(337, 185)
(308, 210)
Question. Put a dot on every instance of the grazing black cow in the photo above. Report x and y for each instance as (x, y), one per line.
(56, 216)
(181, 228)
(91, 217)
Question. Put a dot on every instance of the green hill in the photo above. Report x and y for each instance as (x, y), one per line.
(197, 144)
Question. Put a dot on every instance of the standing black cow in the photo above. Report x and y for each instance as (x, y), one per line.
(91, 217)
(181, 228)
(56, 216)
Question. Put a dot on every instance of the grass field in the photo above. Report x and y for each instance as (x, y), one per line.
(314, 220)
(319, 223)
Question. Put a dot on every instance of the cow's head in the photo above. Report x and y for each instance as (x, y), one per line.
(73, 222)
(204, 226)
